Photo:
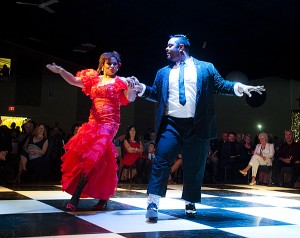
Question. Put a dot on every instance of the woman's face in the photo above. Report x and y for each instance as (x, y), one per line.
(40, 130)
(110, 67)
(132, 132)
(262, 139)
(248, 139)
(76, 129)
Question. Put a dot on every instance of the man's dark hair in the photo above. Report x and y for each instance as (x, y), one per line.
(182, 39)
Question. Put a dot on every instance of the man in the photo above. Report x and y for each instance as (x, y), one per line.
(288, 155)
(187, 125)
(231, 158)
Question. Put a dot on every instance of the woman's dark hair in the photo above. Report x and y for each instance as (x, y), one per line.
(107, 55)
(76, 124)
(127, 135)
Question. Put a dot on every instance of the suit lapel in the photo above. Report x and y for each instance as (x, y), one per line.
(165, 84)
(199, 78)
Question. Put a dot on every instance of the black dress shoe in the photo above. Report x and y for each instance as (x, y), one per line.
(152, 213)
(190, 210)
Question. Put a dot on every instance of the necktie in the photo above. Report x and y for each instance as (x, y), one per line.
(152, 157)
(182, 99)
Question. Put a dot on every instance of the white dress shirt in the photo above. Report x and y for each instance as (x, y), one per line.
(174, 108)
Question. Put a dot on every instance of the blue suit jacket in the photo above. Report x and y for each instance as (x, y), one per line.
(209, 81)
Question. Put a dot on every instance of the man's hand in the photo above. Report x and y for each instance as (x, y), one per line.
(138, 88)
(247, 89)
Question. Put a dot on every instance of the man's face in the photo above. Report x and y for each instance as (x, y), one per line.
(151, 149)
(231, 137)
(288, 136)
(28, 127)
(172, 50)
(225, 136)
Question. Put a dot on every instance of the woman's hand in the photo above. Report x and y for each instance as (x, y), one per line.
(54, 68)
(130, 82)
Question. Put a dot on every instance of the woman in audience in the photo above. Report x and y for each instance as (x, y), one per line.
(74, 129)
(175, 167)
(89, 167)
(133, 148)
(263, 155)
(36, 147)
(247, 150)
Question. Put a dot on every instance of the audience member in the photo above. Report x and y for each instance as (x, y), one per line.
(231, 157)
(36, 147)
(213, 163)
(288, 155)
(4, 72)
(5, 150)
(263, 155)
(222, 145)
(240, 138)
(175, 168)
(148, 133)
(55, 152)
(145, 165)
(248, 150)
(74, 129)
(133, 149)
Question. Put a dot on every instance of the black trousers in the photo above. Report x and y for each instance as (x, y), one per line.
(178, 136)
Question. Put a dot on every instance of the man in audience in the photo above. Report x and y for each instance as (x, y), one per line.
(288, 156)
(231, 158)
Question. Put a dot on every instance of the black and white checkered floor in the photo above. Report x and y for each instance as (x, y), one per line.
(225, 211)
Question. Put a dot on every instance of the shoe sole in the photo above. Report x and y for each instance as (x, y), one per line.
(191, 214)
(152, 220)
(152, 216)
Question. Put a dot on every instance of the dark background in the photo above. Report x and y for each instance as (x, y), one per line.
(259, 37)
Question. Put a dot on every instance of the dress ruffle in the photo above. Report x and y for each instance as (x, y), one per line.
(94, 155)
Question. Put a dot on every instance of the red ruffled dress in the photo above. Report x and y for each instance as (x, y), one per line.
(91, 151)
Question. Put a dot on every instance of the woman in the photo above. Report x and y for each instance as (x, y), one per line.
(89, 166)
(247, 151)
(74, 129)
(133, 152)
(35, 147)
(263, 155)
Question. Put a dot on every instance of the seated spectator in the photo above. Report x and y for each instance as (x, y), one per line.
(145, 165)
(212, 163)
(148, 134)
(74, 129)
(173, 177)
(240, 138)
(55, 152)
(263, 155)
(231, 157)
(248, 150)
(35, 147)
(5, 151)
(222, 147)
(133, 149)
(288, 155)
